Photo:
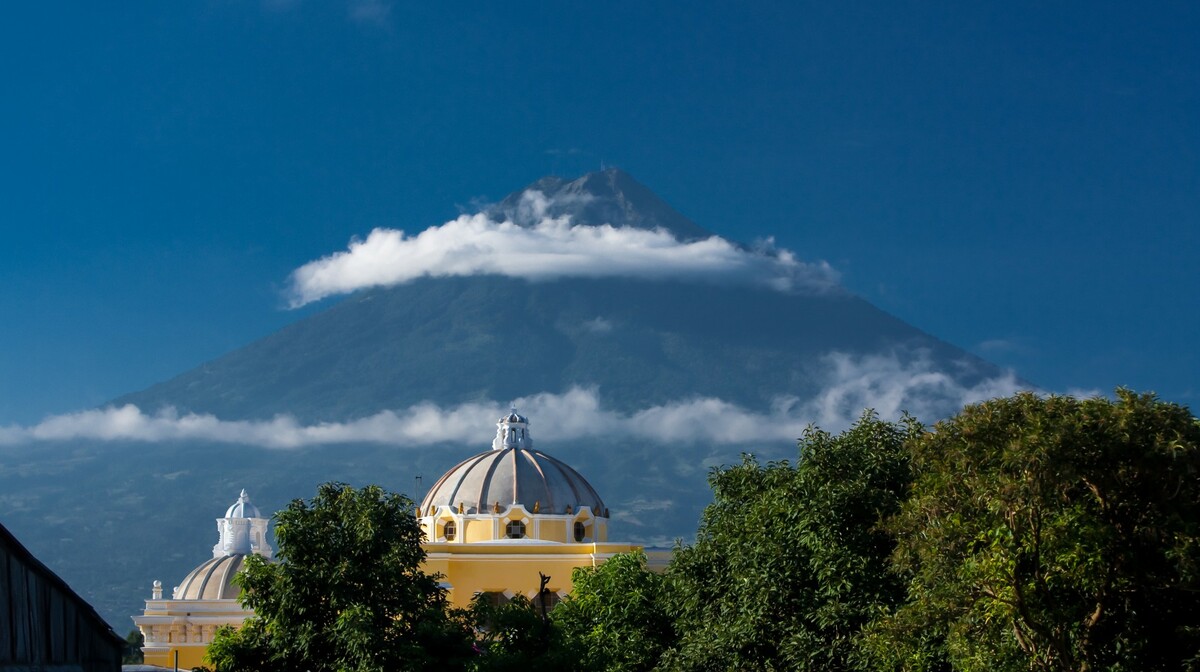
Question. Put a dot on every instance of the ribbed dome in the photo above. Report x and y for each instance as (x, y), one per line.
(514, 476)
(212, 580)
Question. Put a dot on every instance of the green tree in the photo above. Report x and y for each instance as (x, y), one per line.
(513, 637)
(131, 653)
(1051, 533)
(790, 563)
(616, 616)
(347, 593)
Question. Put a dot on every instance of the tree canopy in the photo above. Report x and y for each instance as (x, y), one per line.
(346, 594)
(1051, 533)
(616, 616)
(790, 562)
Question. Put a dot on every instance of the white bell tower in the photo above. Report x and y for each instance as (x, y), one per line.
(512, 431)
(242, 531)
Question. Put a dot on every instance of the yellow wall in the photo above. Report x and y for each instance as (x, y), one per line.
(477, 530)
(184, 626)
(552, 530)
(189, 657)
(480, 559)
(512, 568)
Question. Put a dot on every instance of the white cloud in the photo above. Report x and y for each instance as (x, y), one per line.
(545, 249)
(598, 325)
(893, 384)
(890, 384)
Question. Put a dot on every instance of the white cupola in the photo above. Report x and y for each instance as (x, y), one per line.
(242, 531)
(512, 431)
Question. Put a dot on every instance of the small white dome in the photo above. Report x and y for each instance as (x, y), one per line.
(242, 508)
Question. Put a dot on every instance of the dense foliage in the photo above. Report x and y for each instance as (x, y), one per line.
(1051, 533)
(347, 593)
(790, 562)
(614, 620)
(516, 637)
(616, 616)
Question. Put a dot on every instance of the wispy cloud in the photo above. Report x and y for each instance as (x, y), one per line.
(544, 249)
(890, 384)
(896, 383)
(598, 325)
(374, 12)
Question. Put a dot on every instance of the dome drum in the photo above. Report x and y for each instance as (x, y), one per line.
(444, 524)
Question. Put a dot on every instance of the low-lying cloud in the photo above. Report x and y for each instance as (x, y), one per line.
(542, 247)
(889, 384)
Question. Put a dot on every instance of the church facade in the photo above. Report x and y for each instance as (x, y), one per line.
(494, 524)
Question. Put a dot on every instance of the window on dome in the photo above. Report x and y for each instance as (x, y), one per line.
(449, 530)
(580, 531)
(515, 529)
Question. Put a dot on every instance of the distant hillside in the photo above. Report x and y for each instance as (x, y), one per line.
(451, 340)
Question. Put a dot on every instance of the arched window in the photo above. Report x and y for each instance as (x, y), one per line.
(515, 529)
(449, 530)
(552, 600)
(580, 530)
(494, 599)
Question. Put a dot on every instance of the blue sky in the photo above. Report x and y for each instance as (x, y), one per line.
(1020, 179)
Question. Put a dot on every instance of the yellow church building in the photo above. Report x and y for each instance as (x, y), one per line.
(178, 629)
(497, 519)
(493, 524)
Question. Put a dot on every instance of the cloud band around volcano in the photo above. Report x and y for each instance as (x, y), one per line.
(544, 249)
(889, 384)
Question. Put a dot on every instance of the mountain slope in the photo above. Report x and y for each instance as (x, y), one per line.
(451, 340)
(457, 339)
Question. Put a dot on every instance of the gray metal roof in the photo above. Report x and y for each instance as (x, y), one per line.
(212, 580)
(514, 476)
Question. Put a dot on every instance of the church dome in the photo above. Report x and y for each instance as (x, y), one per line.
(212, 580)
(511, 473)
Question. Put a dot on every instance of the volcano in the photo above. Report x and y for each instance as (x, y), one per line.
(112, 516)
